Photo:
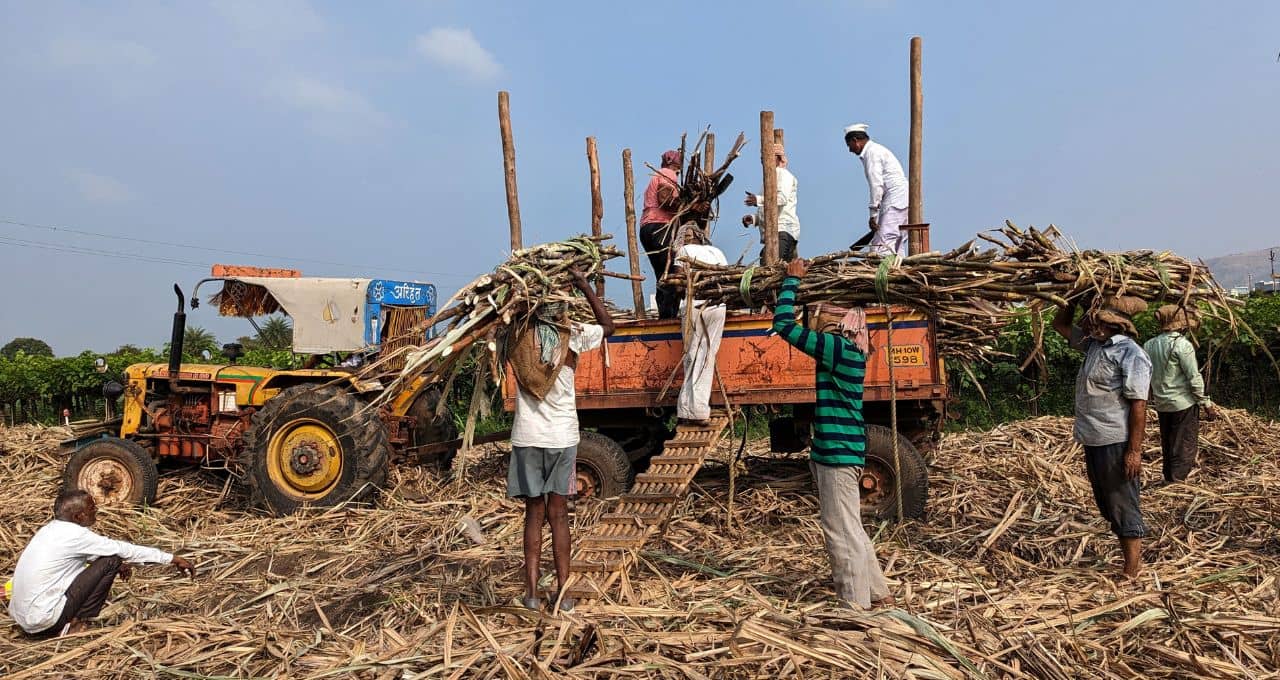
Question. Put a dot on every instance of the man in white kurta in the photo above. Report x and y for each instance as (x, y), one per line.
(703, 328)
(788, 218)
(53, 589)
(889, 193)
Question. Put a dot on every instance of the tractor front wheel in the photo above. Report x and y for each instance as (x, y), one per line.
(116, 472)
(315, 446)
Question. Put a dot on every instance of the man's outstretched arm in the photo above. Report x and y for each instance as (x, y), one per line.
(597, 305)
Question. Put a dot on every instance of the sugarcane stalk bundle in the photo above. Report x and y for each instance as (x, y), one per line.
(699, 190)
(971, 292)
(471, 326)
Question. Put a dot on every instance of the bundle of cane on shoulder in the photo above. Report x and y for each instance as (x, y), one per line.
(471, 327)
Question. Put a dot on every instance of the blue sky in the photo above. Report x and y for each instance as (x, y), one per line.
(361, 138)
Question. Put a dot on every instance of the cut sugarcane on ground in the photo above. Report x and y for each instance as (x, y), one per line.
(1011, 575)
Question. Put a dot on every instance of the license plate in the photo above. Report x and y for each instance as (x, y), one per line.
(908, 355)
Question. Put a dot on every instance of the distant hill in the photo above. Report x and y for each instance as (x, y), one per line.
(1234, 270)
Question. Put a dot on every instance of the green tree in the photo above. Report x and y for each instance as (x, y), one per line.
(274, 333)
(197, 340)
(32, 347)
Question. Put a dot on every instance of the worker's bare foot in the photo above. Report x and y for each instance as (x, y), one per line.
(76, 626)
(886, 601)
(693, 421)
(531, 602)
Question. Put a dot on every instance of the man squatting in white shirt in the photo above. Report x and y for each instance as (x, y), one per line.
(53, 591)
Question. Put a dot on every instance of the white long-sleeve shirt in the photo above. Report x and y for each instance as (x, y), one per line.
(884, 176)
(788, 196)
(53, 559)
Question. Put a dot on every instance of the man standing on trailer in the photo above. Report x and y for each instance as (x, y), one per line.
(544, 433)
(788, 219)
(1177, 390)
(1111, 414)
(837, 454)
(703, 330)
(656, 230)
(888, 191)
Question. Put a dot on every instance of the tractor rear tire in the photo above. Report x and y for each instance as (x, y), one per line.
(603, 470)
(315, 446)
(116, 472)
(879, 475)
(429, 428)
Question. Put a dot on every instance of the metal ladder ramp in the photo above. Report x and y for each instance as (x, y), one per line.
(605, 554)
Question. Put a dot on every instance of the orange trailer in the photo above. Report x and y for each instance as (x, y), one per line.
(627, 393)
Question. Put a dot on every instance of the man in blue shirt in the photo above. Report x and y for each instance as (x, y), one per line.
(1111, 414)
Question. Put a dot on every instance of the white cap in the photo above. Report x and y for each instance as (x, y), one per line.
(856, 127)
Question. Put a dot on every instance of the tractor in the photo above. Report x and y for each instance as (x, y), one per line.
(305, 437)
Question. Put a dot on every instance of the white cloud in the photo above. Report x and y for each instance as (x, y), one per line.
(275, 20)
(100, 188)
(84, 51)
(458, 49)
(330, 110)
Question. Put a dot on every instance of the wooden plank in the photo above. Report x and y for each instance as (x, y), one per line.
(509, 169)
(633, 247)
(770, 191)
(597, 201)
(915, 163)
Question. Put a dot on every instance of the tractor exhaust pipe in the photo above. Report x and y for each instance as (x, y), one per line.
(179, 332)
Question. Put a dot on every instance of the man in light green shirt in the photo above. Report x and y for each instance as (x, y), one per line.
(1177, 390)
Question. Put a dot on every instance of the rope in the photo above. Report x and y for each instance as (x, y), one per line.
(882, 277)
(882, 292)
(744, 286)
(893, 413)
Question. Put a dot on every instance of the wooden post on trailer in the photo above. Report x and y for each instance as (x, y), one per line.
(633, 247)
(770, 191)
(509, 169)
(709, 155)
(917, 239)
(597, 202)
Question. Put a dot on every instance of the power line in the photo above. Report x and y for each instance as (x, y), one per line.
(42, 245)
(225, 251)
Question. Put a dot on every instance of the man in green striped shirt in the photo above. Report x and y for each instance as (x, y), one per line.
(839, 442)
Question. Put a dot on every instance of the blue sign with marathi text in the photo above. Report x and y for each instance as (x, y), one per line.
(394, 294)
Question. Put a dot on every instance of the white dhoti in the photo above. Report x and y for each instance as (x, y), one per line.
(706, 327)
(854, 567)
(889, 238)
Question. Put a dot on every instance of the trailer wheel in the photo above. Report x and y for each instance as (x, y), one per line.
(315, 446)
(116, 472)
(429, 428)
(603, 468)
(878, 487)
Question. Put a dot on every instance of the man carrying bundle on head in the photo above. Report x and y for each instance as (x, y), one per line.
(839, 444)
(1177, 390)
(1111, 414)
(888, 191)
(703, 330)
(788, 220)
(544, 433)
(53, 591)
(661, 198)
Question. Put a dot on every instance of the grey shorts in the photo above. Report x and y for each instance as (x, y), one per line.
(1115, 494)
(534, 471)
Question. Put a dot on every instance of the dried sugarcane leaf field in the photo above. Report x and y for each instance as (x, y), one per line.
(1012, 575)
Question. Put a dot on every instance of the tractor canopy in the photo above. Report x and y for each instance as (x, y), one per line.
(330, 314)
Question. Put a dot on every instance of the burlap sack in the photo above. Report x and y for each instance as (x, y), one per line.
(525, 357)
